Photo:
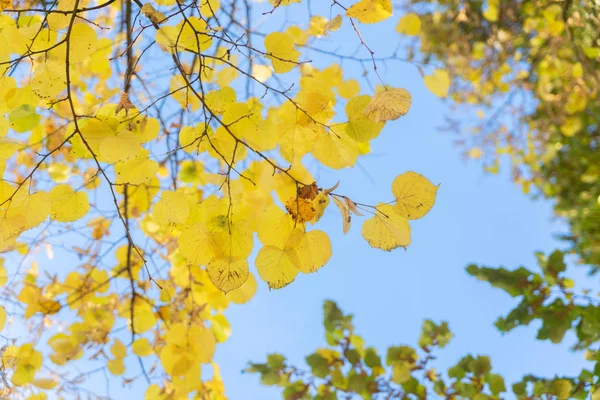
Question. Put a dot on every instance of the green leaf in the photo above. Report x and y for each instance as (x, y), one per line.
(353, 356)
(481, 365)
(562, 388)
(399, 354)
(496, 383)
(318, 364)
(401, 372)
(332, 315)
(356, 382)
(432, 334)
(295, 390)
(23, 118)
(269, 378)
(276, 361)
(372, 359)
(520, 388)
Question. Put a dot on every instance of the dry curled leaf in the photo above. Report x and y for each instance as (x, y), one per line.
(331, 189)
(345, 211)
(352, 207)
(308, 191)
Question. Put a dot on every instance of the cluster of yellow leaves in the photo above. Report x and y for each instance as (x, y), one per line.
(389, 228)
(63, 170)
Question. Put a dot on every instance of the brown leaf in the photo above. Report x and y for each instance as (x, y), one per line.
(309, 191)
(331, 189)
(345, 211)
(352, 206)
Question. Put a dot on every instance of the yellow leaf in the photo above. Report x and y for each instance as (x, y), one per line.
(122, 147)
(3, 276)
(388, 105)
(278, 3)
(335, 149)
(172, 208)
(261, 72)
(349, 89)
(359, 127)
(68, 205)
(491, 13)
(116, 366)
(208, 8)
(137, 170)
(409, 24)
(370, 11)
(571, 126)
(414, 194)
(387, 229)
(276, 266)
(143, 316)
(313, 251)
(83, 40)
(244, 293)
(2, 318)
(196, 244)
(118, 349)
(281, 52)
(275, 226)
(31, 210)
(24, 118)
(438, 83)
(45, 383)
(151, 13)
(189, 35)
(301, 210)
(59, 173)
(206, 341)
(141, 347)
(228, 274)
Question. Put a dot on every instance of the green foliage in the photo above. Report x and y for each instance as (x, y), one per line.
(347, 369)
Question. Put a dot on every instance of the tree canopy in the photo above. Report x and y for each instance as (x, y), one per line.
(159, 146)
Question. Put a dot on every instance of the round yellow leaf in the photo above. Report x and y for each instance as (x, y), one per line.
(116, 366)
(2, 318)
(245, 292)
(349, 89)
(415, 195)
(409, 24)
(118, 349)
(228, 274)
(388, 105)
(45, 383)
(281, 51)
(141, 347)
(387, 229)
(196, 244)
(438, 83)
(313, 251)
(277, 267)
(370, 11)
(68, 205)
(172, 208)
